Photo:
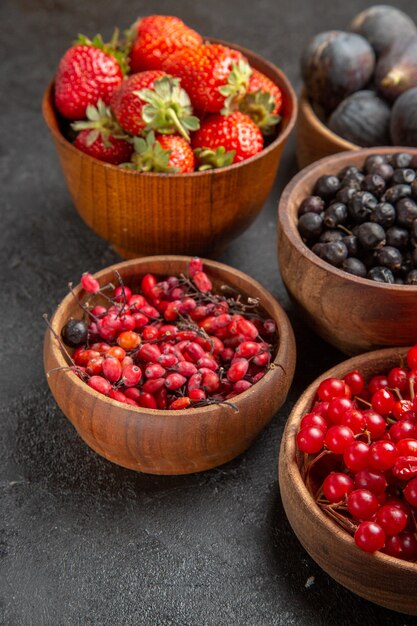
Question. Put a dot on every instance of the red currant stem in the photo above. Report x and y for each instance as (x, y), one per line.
(58, 338)
(186, 323)
(398, 392)
(123, 292)
(84, 308)
(323, 453)
(390, 421)
(358, 399)
(368, 436)
(412, 391)
(209, 401)
(339, 518)
(72, 368)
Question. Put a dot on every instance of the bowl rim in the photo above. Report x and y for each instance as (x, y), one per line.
(286, 224)
(314, 120)
(285, 331)
(50, 117)
(288, 441)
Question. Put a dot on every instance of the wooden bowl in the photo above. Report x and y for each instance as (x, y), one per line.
(163, 441)
(354, 314)
(378, 577)
(314, 140)
(151, 213)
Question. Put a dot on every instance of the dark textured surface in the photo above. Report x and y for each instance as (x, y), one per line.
(84, 542)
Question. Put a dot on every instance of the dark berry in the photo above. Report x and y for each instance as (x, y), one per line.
(372, 160)
(310, 225)
(311, 204)
(361, 205)
(335, 214)
(414, 257)
(75, 333)
(345, 193)
(404, 176)
(406, 211)
(389, 257)
(349, 171)
(374, 184)
(396, 192)
(371, 236)
(327, 186)
(381, 275)
(384, 170)
(354, 266)
(331, 234)
(383, 214)
(401, 159)
(412, 277)
(397, 237)
(352, 244)
(414, 231)
(334, 253)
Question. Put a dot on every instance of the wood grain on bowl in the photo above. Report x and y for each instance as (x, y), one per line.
(149, 213)
(378, 577)
(354, 314)
(163, 441)
(314, 140)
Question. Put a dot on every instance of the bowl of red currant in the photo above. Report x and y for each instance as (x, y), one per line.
(348, 475)
(168, 365)
(347, 247)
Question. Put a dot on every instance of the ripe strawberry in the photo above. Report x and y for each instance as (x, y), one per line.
(211, 74)
(101, 137)
(89, 71)
(262, 102)
(235, 132)
(157, 37)
(162, 153)
(153, 101)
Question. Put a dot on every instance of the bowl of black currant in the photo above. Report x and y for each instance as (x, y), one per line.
(347, 247)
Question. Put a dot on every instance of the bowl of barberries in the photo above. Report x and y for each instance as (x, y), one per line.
(166, 365)
(347, 247)
(168, 143)
(348, 475)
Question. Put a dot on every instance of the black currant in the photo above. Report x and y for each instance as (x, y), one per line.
(311, 204)
(354, 266)
(75, 333)
(390, 257)
(371, 236)
(310, 225)
(381, 275)
(327, 186)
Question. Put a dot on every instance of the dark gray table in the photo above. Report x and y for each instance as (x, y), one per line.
(84, 542)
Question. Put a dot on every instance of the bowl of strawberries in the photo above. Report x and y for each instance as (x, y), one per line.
(168, 143)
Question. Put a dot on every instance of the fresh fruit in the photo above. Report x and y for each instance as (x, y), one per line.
(101, 137)
(363, 119)
(157, 37)
(366, 481)
(153, 101)
(88, 72)
(162, 153)
(382, 25)
(403, 126)
(178, 344)
(396, 71)
(210, 74)
(334, 65)
(235, 132)
(364, 220)
(262, 102)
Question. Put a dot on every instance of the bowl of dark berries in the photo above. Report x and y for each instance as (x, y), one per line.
(348, 475)
(166, 365)
(169, 144)
(347, 247)
(360, 86)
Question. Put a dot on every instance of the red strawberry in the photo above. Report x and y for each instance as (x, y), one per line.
(235, 132)
(157, 37)
(262, 102)
(153, 101)
(89, 71)
(101, 137)
(210, 74)
(162, 153)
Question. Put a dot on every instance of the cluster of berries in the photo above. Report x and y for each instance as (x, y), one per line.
(364, 220)
(363, 468)
(174, 345)
(162, 100)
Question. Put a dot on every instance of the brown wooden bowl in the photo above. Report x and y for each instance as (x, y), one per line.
(354, 314)
(314, 139)
(378, 577)
(163, 441)
(151, 213)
